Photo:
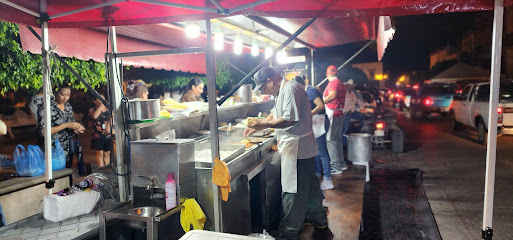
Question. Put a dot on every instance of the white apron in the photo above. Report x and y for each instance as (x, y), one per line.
(288, 145)
(287, 148)
(329, 113)
(318, 124)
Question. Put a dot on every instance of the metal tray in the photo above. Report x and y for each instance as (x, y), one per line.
(237, 150)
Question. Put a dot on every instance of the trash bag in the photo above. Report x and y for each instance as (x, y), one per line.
(28, 162)
(58, 157)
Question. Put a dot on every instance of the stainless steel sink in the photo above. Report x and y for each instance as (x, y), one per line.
(147, 212)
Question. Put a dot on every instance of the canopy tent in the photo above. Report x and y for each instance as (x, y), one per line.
(98, 13)
(461, 72)
(136, 12)
(89, 43)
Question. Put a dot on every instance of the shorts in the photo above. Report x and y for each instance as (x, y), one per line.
(101, 144)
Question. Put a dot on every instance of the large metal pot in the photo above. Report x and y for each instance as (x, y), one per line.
(245, 92)
(359, 148)
(143, 109)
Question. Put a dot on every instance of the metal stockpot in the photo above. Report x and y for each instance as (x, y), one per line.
(359, 147)
(143, 109)
(245, 92)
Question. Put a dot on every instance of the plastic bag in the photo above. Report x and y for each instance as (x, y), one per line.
(58, 157)
(28, 163)
(264, 235)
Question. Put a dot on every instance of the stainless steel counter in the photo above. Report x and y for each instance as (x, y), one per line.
(187, 126)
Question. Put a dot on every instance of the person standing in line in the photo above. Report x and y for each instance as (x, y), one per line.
(137, 89)
(352, 107)
(320, 125)
(334, 98)
(291, 117)
(101, 139)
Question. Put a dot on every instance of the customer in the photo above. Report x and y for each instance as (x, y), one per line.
(193, 91)
(352, 107)
(137, 89)
(292, 120)
(63, 125)
(320, 125)
(36, 102)
(101, 140)
(334, 97)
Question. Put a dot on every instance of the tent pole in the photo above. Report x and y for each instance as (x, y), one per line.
(116, 93)
(347, 61)
(312, 72)
(495, 75)
(47, 98)
(214, 132)
(85, 9)
(35, 14)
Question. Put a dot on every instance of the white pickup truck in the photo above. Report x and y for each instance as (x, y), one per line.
(470, 108)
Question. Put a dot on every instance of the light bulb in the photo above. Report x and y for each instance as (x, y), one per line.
(219, 40)
(268, 52)
(192, 30)
(281, 57)
(237, 45)
(255, 50)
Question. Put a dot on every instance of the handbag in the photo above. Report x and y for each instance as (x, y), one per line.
(28, 162)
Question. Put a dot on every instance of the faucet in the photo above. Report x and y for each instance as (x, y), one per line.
(154, 182)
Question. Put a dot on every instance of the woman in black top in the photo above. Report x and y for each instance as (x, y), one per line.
(63, 123)
(101, 140)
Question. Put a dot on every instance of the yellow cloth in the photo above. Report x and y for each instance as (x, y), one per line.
(221, 177)
(191, 213)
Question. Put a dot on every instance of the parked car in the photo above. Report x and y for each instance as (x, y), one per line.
(432, 98)
(470, 108)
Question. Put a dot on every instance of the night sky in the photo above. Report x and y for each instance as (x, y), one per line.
(417, 36)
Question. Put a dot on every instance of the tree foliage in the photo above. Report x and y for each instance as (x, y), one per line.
(19, 69)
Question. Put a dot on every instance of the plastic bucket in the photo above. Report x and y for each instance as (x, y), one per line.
(359, 148)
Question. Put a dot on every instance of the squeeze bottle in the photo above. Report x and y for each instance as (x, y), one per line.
(170, 192)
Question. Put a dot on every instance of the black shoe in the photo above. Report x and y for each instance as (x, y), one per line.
(322, 233)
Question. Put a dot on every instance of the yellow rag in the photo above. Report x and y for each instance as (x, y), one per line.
(221, 177)
(191, 213)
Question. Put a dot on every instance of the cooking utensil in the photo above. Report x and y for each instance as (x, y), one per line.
(143, 109)
(143, 212)
(245, 92)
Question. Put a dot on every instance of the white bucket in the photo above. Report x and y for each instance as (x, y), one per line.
(359, 148)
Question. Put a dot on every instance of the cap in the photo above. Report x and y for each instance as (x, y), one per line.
(142, 82)
(262, 75)
(349, 82)
(331, 69)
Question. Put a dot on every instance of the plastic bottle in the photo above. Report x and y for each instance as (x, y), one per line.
(170, 192)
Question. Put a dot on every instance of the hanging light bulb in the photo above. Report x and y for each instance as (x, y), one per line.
(255, 50)
(192, 30)
(237, 45)
(281, 56)
(218, 40)
(268, 52)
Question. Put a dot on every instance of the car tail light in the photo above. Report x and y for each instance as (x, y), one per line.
(416, 86)
(499, 110)
(428, 101)
(380, 126)
(397, 95)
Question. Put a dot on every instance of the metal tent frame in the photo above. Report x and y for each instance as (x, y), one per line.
(487, 231)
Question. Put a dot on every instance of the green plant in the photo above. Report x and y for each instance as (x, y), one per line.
(19, 69)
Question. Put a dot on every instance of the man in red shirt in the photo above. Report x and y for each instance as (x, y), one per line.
(334, 98)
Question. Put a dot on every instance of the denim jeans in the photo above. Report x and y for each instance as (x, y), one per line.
(334, 143)
(322, 161)
(354, 115)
